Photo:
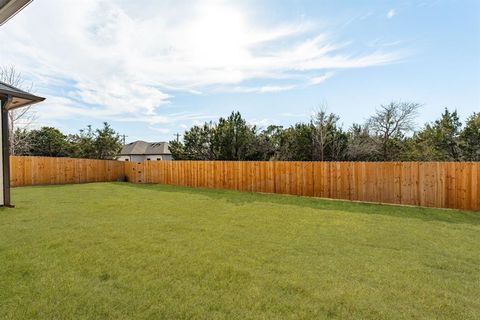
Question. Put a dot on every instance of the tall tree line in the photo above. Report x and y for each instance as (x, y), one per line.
(390, 134)
(101, 143)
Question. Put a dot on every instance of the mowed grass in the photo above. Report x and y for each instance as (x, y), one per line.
(125, 251)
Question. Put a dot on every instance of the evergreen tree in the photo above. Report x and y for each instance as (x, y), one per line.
(83, 143)
(268, 143)
(234, 139)
(107, 143)
(296, 143)
(438, 141)
(48, 141)
(470, 138)
(196, 144)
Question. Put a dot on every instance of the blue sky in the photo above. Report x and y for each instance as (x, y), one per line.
(154, 68)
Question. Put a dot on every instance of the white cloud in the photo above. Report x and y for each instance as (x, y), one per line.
(391, 13)
(262, 123)
(322, 78)
(168, 118)
(161, 130)
(124, 60)
(261, 89)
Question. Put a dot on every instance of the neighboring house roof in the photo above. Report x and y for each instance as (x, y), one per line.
(142, 148)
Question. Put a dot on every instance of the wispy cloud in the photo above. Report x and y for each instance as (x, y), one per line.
(263, 123)
(322, 78)
(161, 130)
(261, 89)
(126, 60)
(391, 13)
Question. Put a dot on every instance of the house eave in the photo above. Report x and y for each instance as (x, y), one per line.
(11, 8)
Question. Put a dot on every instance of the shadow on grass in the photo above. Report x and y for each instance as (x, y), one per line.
(241, 198)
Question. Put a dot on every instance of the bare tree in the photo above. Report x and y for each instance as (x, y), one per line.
(390, 124)
(361, 145)
(21, 117)
(329, 141)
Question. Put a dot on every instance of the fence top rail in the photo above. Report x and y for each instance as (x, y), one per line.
(257, 161)
(297, 161)
(63, 158)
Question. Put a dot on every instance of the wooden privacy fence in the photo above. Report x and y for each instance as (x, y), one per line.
(429, 184)
(46, 170)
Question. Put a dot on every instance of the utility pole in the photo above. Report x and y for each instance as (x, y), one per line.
(123, 138)
(177, 135)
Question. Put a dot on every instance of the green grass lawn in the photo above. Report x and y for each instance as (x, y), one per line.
(118, 251)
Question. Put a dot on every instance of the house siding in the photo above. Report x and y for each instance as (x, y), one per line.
(142, 158)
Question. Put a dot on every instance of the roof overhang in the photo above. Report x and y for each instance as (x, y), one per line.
(15, 98)
(9, 8)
